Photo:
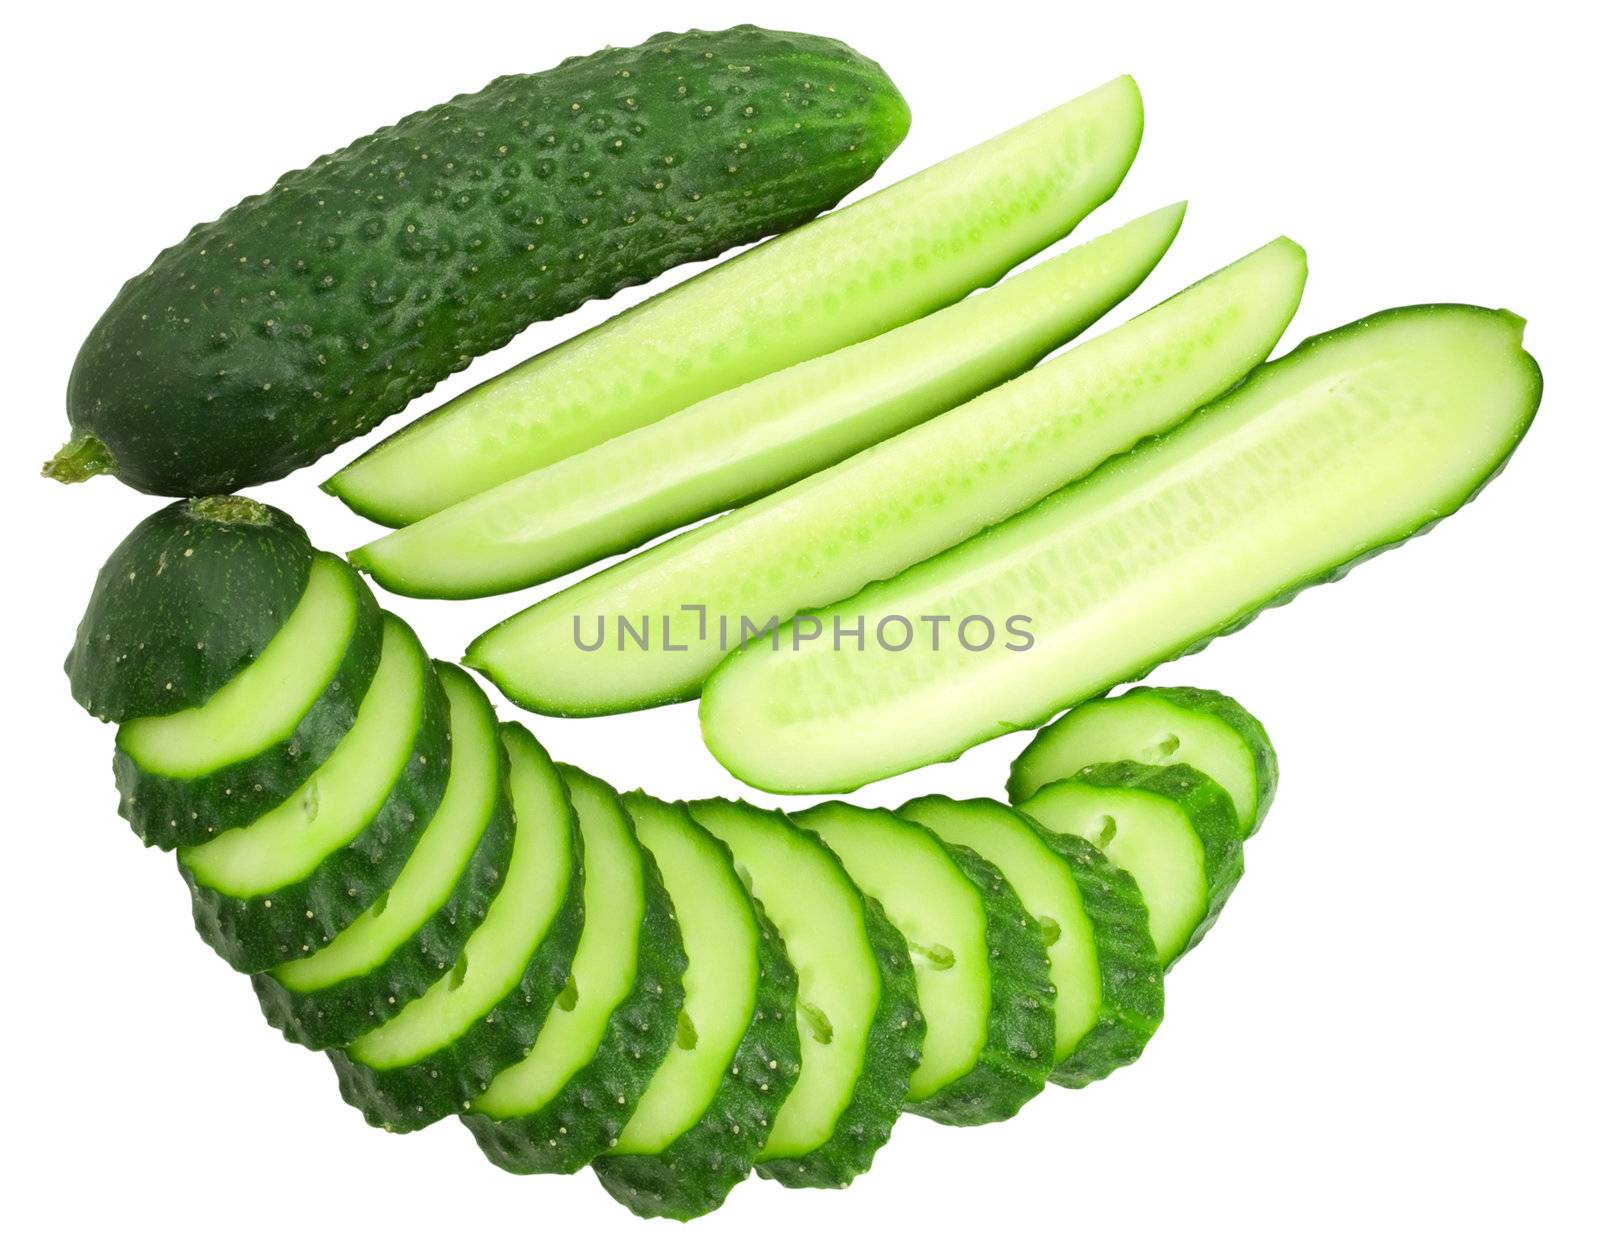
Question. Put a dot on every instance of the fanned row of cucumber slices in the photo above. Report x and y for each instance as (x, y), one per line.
(674, 994)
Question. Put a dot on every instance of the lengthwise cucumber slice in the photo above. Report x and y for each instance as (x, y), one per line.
(1103, 964)
(185, 777)
(900, 253)
(738, 445)
(415, 932)
(568, 1099)
(1201, 727)
(441, 1051)
(287, 884)
(889, 506)
(983, 979)
(1357, 440)
(1170, 828)
(860, 1026)
(706, 1114)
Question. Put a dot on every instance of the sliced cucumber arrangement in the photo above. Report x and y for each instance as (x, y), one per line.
(885, 260)
(740, 444)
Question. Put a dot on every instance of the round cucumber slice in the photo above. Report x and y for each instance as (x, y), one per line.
(1171, 828)
(983, 979)
(860, 1027)
(1201, 727)
(568, 1099)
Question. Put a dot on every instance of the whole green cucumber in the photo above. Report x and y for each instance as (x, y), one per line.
(304, 316)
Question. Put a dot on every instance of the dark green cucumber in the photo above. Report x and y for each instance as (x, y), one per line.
(860, 1027)
(441, 1051)
(1103, 964)
(186, 777)
(1149, 724)
(707, 1113)
(303, 316)
(287, 884)
(415, 932)
(184, 604)
(570, 1097)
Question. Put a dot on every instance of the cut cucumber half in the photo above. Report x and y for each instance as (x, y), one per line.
(706, 1114)
(186, 777)
(983, 979)
(882, 261)
(860, 1026)
(1357, 440)
(415, 932)
(1096, 931)
(738, 445)
(1172, 829)
(1201, 727)
(288, 883)
(878, 512)
(568, 1099)
(441, 1051)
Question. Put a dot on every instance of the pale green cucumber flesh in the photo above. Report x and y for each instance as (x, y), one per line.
(1205, 729)
(1352, 443)
(882, 261)
(738, 445)
(889, 506)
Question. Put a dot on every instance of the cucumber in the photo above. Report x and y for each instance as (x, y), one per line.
(286, 884)
(743, 443)
(189, 599)
(911, 248)
(1358, 439)
(860, 1026)
(1201, 727)
(415, 931)
(568, 1099)
(1108, 981)
(983, 979)
(706, 1114)
(1171, 828)
(442, 1050)
(305, 315)
(904, 499)
(184, 778)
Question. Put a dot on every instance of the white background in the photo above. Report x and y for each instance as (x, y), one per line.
(1390, 1038)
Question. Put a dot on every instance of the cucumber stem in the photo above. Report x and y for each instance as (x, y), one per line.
(81, 458)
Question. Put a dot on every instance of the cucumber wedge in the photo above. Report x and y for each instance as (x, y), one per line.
(568, 1099)
(1103, 964)
(889, 506)
(983, 978)
(860, 1026)
(743, 443)
(885, 260)
(288, 883)
(184, 778)
(1201, 727)
(441, 1051)
(1172, 829)
(706, 1114)
(416, 930)
(1357, 440)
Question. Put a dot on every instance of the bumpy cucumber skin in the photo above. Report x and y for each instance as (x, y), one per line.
(589, 1112)
(337, 1015)
(170, 812)
(303, 316)
(894, 1049)
(1188, 698)
(184, 604)
(446, 1082)
(254, 934)
(694, 1175)
(1019, 1048)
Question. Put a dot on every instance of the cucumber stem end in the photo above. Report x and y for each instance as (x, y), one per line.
(81, 458)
